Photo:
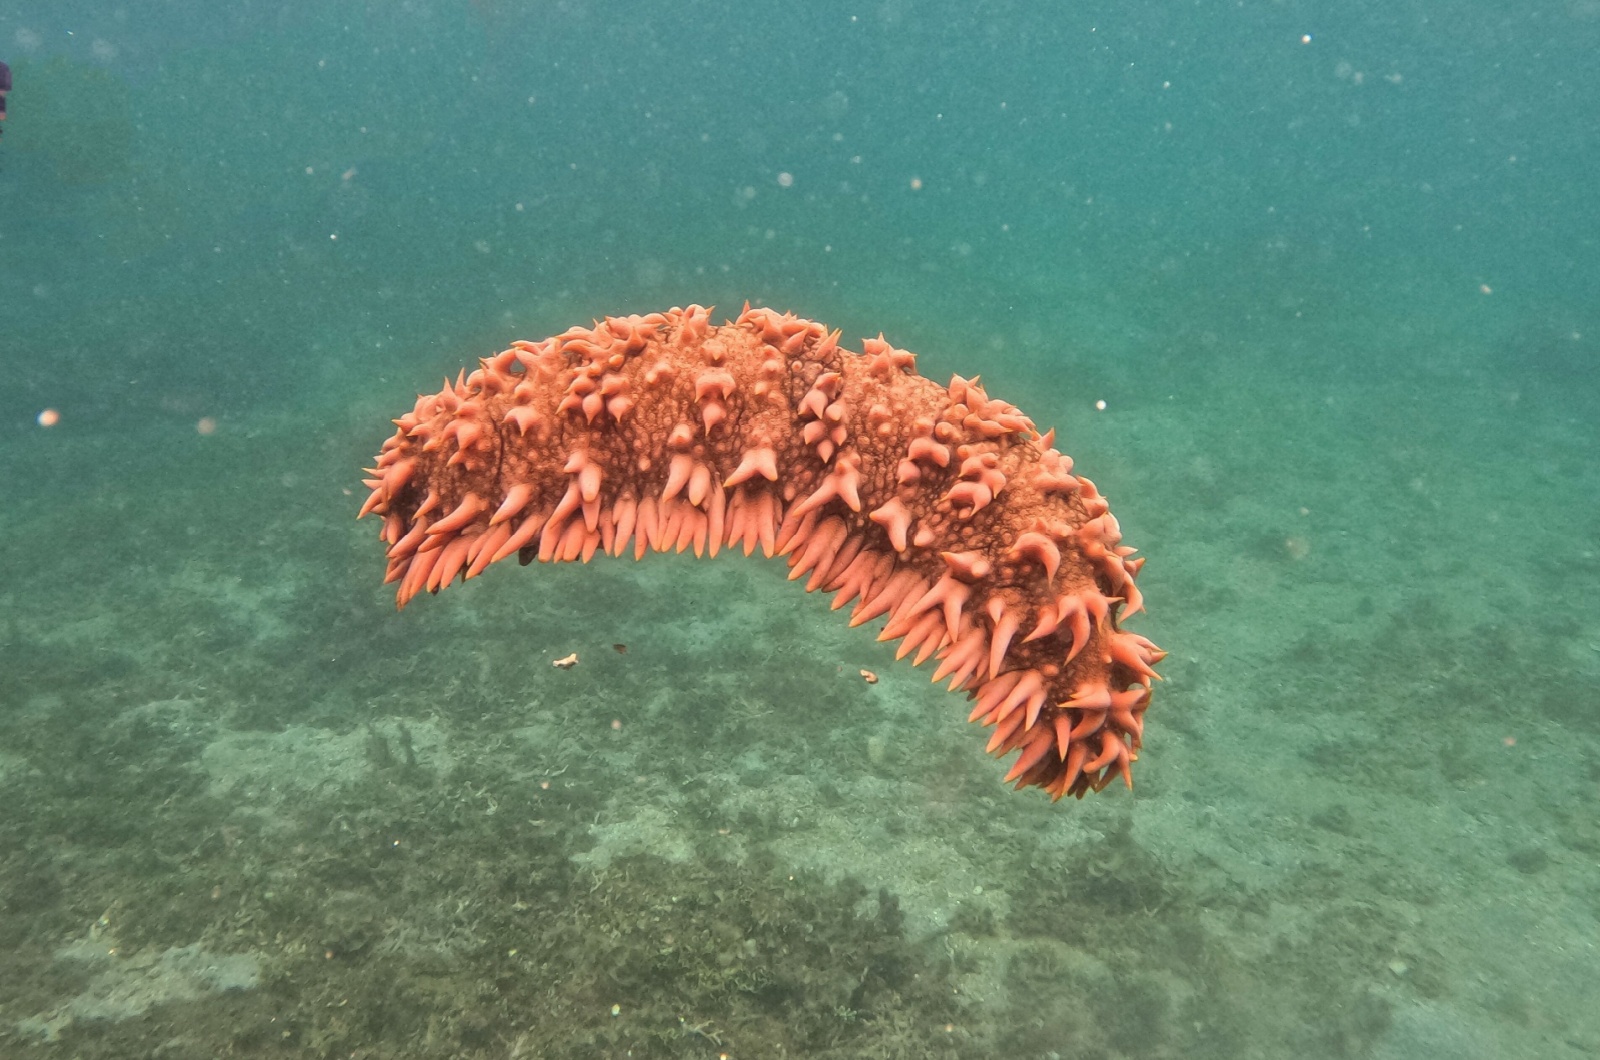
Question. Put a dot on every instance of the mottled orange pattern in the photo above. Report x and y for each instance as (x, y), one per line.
(938, 507)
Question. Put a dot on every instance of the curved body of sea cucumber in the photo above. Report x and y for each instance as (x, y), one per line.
(938, 507)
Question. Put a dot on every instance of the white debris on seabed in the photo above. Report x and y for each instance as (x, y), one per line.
(121, 987)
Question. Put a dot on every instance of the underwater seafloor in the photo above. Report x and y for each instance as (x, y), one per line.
(249, 810)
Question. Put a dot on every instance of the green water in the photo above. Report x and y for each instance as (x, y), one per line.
(1333, 276)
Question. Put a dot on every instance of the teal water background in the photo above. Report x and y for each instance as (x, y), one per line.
(1333, 274)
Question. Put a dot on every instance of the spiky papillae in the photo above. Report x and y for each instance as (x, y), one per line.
(938, 507)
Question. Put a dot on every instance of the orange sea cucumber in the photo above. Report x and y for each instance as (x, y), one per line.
(938, 507)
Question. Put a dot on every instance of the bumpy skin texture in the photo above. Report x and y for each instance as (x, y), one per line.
(938, 507)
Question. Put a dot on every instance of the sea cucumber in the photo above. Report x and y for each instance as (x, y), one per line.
(941, 508)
